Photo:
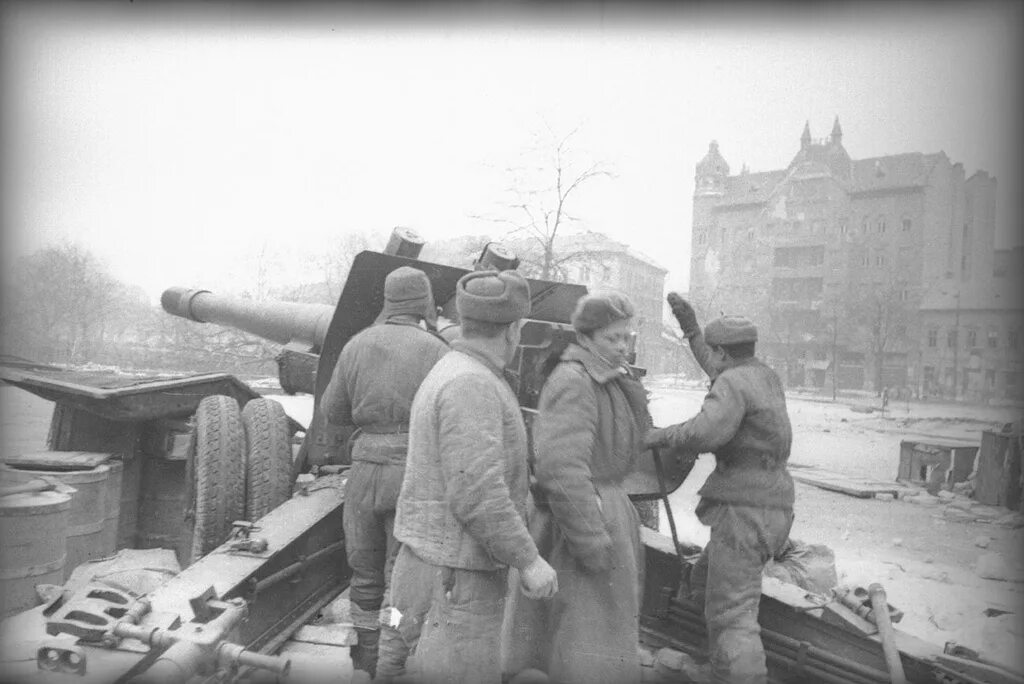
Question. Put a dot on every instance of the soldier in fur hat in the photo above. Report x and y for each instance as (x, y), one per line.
(371, 392)
(461, 511)
(748, 499)
(592, 416)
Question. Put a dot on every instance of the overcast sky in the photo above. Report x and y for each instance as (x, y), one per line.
(171, 138)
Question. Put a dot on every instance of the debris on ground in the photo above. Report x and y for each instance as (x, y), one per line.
(994, 566)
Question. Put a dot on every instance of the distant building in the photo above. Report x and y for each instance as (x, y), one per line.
(842, 264)
(600, 263)
(972, 339)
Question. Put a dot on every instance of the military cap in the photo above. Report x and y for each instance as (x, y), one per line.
(727, 330)
(595, 311)
(496, 297)
(407, 291)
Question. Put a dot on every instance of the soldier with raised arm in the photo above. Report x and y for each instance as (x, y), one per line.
(748, 499)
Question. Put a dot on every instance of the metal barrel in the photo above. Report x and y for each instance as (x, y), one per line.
(84, 539)
(33, 533)
(280, 322)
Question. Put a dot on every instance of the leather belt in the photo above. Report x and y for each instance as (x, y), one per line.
(385, 428)
(755, 460)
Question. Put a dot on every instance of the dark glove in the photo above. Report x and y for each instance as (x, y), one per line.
(684, 313)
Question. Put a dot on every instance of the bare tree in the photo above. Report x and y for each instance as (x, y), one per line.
(880, 314)
(538, 200)
(336, 260)
(60, 300)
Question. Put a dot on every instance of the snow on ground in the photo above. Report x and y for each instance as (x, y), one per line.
(298, 407)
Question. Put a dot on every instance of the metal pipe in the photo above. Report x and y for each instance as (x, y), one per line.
(885, 631)
(812, 666)
(289, 570)
(234, 654)
(280, 322)
(818, 674)
(188, 647)
(779, 641)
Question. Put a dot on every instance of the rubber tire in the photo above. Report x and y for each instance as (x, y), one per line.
(268, 466)
(217, 473)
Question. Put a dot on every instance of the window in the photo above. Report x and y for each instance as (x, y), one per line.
(864, 225)
(904, 295)
(585, 271)
(1011, 378)
(972, 338)
(865, 260)
(1013, 340)
(880, 260)
(842, 227)
(951, 339)
(993, 339)
(933, 338)
(906, 224)
(990, 379)
(881, 224)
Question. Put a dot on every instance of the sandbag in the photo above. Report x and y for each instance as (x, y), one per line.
(809, 566)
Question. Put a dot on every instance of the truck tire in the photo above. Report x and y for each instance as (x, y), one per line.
(268, 467)
(217, 473)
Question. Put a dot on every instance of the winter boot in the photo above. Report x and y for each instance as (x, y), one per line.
(364, 653)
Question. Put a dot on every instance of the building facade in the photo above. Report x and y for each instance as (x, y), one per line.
(600, 263)
(841, 261)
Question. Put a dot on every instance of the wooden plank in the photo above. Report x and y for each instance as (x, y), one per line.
(837, 482)
(58, 460)
(836, 487)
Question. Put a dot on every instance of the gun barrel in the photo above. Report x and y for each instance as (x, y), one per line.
(280, 322)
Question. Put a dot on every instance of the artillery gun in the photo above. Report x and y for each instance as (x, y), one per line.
(207, 468)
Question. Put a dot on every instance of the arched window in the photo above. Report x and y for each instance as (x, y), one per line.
(880, 224)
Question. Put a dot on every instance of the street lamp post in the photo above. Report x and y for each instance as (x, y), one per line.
(956, 348)
(835, 365)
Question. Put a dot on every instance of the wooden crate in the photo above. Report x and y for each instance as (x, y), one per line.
(998, 482)
(935, 463)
